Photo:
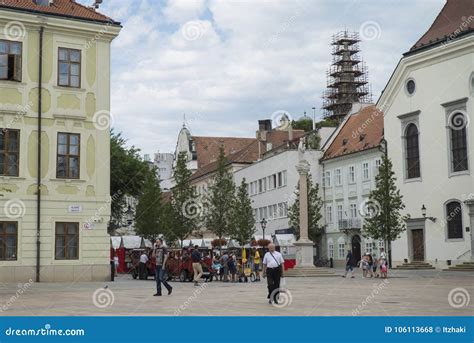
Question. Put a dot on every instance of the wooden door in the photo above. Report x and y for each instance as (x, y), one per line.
(418, 241)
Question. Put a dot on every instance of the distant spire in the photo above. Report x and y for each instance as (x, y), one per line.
(184, 120)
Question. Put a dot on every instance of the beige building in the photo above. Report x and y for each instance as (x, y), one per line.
(54, 78)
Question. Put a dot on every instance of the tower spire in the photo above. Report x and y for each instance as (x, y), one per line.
(346, 78)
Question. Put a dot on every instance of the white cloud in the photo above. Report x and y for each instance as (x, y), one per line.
(241, 60)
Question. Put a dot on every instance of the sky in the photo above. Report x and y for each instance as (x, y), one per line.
(227, 64)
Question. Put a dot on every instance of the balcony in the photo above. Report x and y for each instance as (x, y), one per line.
(350, 225)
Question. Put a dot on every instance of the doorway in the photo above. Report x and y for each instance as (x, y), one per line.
(418, 244)
(356, 253)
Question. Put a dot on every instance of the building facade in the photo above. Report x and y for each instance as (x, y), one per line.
(54, 79)
(349, 166)
(428, 106)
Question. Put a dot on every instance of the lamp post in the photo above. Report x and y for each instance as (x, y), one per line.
(263, 223)
(423, 213)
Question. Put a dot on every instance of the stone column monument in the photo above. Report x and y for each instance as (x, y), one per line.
(304, 246)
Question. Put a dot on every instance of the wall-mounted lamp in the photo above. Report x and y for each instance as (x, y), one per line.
(423, 213)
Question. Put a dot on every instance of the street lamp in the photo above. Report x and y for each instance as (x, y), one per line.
(423, 213)
(263, 223)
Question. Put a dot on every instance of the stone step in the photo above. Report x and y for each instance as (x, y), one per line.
(415, 265)
(310, 272)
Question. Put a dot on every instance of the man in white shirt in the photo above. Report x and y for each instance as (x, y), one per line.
(142, 265)
(273, 268)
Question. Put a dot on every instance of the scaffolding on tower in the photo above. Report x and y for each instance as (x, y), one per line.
(347, 77)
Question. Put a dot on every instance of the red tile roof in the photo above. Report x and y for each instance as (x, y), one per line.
(63, 8)
(455, 19)
(361, 131)
(207, 148)
(249, 153)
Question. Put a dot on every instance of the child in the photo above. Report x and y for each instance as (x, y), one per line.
(383, 269)
(364, 265)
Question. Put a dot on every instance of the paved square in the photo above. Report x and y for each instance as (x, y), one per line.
(423, 293)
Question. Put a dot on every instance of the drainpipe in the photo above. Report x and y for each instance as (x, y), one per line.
(38, 182)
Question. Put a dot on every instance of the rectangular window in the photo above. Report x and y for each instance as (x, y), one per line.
(329, 214)
(67, 241)
(458, 150)
(274, 181)
(353, 208)
(331, 250)
(9, 152)
(369, 247)
(260, 211)
(342, 249)
(340, 212)
(280, 179)
(365, 171)
(260, 186)
(327, 179)
(69, 68)
(269, 182)
(255, 214)
(265, 215)
(8, 241)
(68, 156)
(352, 177)
(284, 177)
(10, 60)
(337, 177)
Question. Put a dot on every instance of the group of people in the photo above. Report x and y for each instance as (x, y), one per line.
(226, 267)
(371, 265)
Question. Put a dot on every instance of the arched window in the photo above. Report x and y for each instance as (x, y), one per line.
(454, 219)
(412, 152)
(457, 126)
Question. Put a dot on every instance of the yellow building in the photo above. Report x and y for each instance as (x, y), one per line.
(54, 79)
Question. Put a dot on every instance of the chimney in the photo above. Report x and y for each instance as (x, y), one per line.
(265, 125)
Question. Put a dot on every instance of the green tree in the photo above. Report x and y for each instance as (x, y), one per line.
(220, 200)
(244, 222)
(128, 172)
(315, 204)
(185, 206)
(381, 211)
(304, 123)
(150, 212)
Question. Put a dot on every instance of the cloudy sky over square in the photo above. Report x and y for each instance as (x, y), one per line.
(227, 64)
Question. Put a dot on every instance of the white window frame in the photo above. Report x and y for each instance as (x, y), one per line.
(338, 177)
(340, 211)
(341, 249)
(329, 213)
(365, 171)
(352, 175)
(353, 210)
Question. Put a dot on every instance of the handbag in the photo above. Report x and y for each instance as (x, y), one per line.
(279, 264)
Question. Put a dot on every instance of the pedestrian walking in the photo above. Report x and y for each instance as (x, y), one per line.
(225, 266)
(196, 258)
(160, 254)
(232, 264)
(116, 263)
(349, 264)
(256, 264)
(273, 271)
(142, 266)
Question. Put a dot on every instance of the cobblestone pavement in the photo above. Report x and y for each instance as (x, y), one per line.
(430, 293)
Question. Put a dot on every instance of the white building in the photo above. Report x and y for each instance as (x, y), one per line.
(273, 181)
(349, 166)
(428, 106)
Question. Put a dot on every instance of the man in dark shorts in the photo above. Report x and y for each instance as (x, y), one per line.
(349, 264)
